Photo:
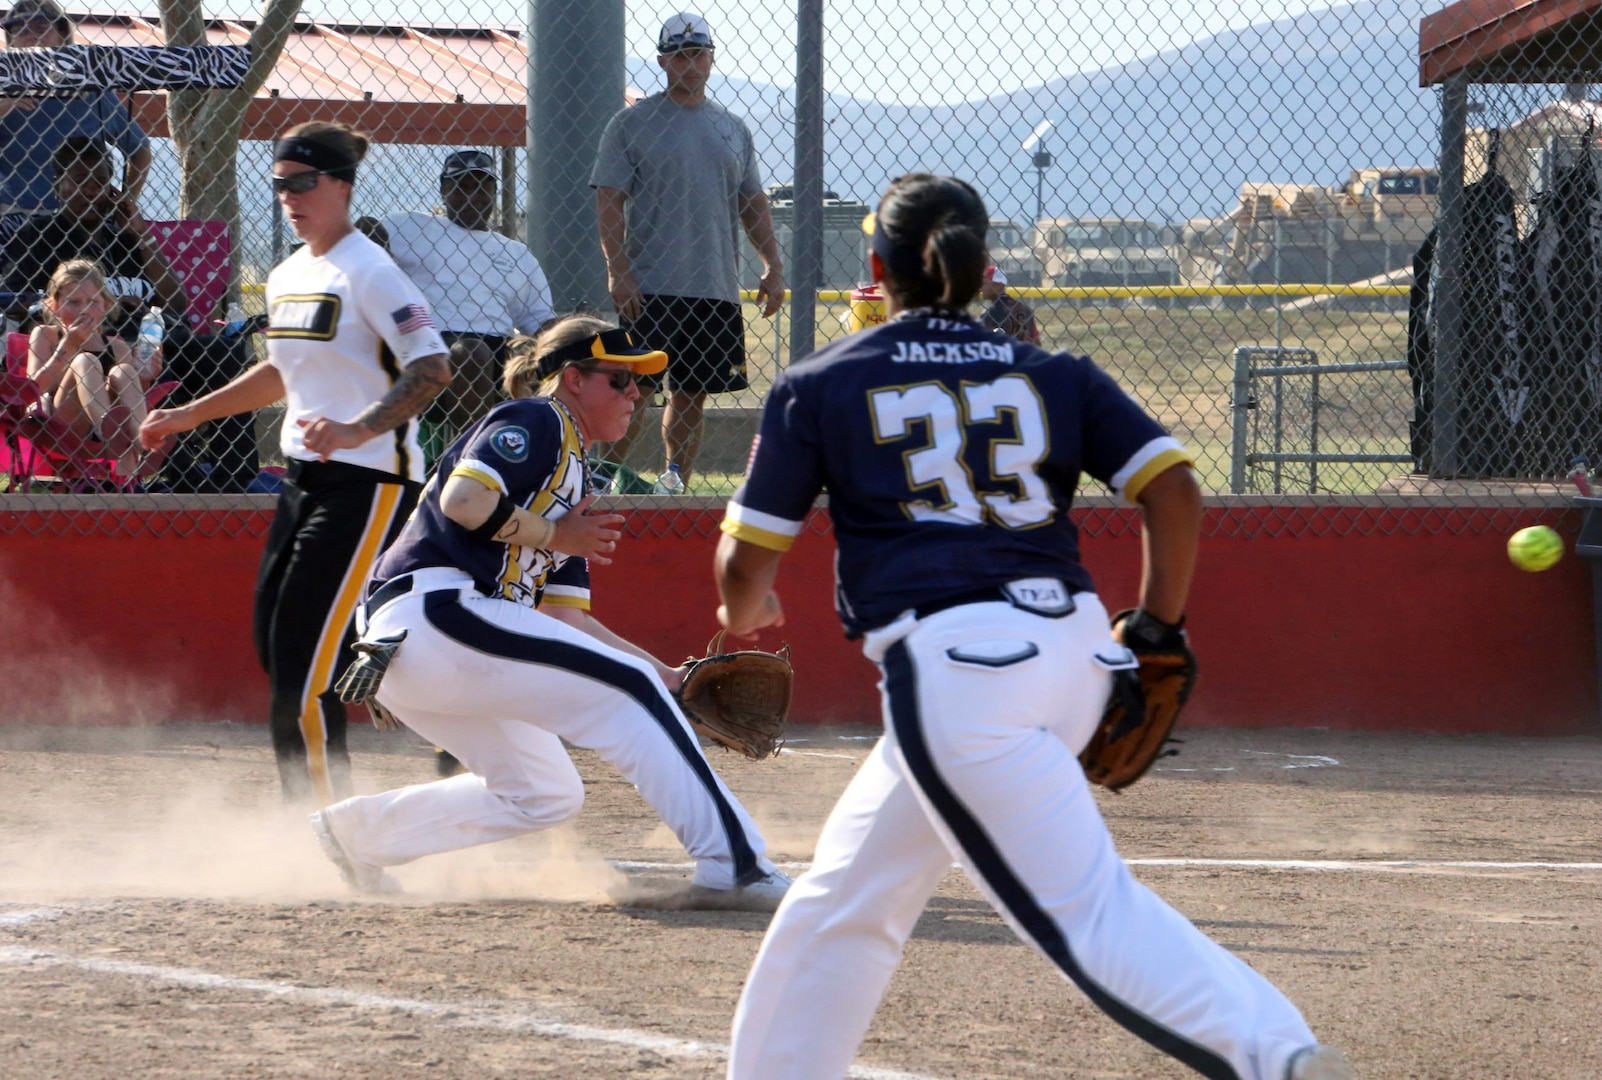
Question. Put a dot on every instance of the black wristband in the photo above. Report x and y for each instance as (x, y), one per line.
(1145, 630)
(498, 517)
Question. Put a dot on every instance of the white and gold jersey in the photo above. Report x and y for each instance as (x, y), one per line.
(529, 450)
(341, 328)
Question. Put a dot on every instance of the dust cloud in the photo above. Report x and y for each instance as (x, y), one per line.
(54, 677)
(193, 811)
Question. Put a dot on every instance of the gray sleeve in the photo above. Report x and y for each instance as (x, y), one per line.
(613, 168)
(750, 177)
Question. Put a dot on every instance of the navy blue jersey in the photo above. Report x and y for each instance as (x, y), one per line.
(950, 454)
(529, 450)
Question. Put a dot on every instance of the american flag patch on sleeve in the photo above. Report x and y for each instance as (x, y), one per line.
(412, 318)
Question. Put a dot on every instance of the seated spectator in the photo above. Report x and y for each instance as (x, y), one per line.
(220, 455)
(82, 371)
(1007, 313)
(99, 223)
(482, 286)
(31, 128)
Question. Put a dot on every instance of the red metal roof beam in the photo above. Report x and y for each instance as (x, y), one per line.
(1512, 41)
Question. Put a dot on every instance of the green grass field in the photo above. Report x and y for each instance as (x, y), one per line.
(1179, 363)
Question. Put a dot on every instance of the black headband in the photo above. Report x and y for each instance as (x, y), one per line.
(325, 159)
(902, 261)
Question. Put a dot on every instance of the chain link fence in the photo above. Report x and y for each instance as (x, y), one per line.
(1225, 206)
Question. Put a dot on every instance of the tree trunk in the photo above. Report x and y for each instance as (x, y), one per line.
(205, 123)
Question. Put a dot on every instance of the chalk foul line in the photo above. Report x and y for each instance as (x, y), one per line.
(496, 1016)
(1361, 865)
(30, 915)
(1349, 866)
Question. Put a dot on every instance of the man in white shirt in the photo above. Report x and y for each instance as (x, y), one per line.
(480, 285)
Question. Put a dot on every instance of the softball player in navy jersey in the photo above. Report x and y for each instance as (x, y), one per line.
(353, 352)
(951, 454)
(499, 660)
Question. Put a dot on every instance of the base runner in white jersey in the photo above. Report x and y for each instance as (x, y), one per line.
(353, 351)
(495, 657)
(951, 455)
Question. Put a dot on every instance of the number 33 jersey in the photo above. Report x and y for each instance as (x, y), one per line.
(950, 455)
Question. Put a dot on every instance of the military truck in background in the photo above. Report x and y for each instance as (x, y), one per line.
(1364, 230)
(845, 248)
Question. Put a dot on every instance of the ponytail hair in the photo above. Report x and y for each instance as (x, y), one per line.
(522, 377)
(929, 232)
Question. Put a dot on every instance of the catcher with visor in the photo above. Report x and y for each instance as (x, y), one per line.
(477, 635)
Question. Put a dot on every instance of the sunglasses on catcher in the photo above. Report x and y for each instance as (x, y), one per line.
(617, 380)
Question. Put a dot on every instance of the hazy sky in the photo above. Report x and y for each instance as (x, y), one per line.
(891, 50)
(898, 50)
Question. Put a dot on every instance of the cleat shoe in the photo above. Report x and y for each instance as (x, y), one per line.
(763, 894)
(1320, 1063)
(364, 878)
(770, 887)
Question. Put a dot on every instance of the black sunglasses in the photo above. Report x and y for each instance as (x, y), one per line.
(298, 183)
(617, 380)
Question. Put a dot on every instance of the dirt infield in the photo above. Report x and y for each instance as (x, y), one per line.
(161, 915)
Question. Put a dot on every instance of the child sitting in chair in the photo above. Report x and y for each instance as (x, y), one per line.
(92, 384)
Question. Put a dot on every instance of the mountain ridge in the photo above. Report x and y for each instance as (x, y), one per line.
(1303, 99)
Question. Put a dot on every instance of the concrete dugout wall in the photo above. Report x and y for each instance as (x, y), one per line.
(1407, 628)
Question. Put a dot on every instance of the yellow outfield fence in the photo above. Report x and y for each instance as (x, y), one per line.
(1106, 292)
(1112, 292)
(1133, 292)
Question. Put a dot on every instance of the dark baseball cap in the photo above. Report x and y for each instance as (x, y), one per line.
(26, 11)
(686, 30)
(463, 162)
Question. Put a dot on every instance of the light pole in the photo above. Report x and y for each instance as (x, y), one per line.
(1041, 161)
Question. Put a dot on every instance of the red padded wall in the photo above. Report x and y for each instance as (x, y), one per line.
(1403, 631)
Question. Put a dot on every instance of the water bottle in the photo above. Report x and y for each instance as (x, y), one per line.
(235, 323)
(151, 331)
(669, 483)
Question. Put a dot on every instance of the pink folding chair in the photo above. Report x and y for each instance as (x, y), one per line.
(18, 399)
(33, 439)
(198, 252)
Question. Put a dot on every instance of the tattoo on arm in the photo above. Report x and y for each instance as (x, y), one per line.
(419, 384)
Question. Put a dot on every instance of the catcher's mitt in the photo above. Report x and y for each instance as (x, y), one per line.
(1145, 702)
(739, 700)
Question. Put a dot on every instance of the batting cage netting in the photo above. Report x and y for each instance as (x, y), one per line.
(1349, 253)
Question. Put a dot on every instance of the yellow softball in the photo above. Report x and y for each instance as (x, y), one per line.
(1535, 548)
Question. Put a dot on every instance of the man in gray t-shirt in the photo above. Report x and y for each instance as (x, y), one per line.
(676, 183)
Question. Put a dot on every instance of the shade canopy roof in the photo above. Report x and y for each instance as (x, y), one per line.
(430, 85)
(1512, 41)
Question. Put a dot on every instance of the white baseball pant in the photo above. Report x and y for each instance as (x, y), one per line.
(986, 708)
(500, 686)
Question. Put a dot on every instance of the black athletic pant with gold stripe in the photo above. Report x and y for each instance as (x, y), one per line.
(332, 521)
